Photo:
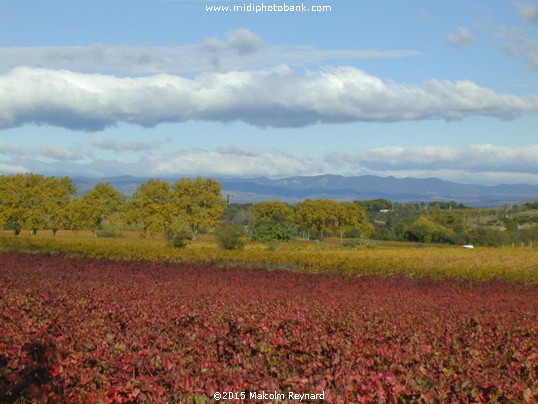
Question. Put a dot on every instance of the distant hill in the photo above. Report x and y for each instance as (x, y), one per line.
(295, 189)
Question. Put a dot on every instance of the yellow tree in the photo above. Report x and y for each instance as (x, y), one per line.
(315, 215)
(197, 204)
(273, 212)
(13, 201)
(151, 206)
(351, 216)
(59, 193)
(95, 208)
(326, 215)
(32, 201)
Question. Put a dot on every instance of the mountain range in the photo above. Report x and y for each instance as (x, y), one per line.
(296, 189)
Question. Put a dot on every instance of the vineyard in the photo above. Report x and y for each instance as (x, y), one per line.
(411, 260)
(83, 329)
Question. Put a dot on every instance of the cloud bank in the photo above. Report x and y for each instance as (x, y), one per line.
(109, 143)
(276, 97)
(474, 158)
(482, 163)
(241, 49)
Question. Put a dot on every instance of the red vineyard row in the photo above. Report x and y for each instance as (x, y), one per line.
(89, 330)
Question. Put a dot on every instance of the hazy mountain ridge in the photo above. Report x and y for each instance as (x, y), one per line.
(295, 189)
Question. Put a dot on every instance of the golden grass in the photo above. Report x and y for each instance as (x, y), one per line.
(411, 260)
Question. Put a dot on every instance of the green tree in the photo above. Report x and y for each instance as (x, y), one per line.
(393, 224)
(487, 236)
(273, 221)
(151, 206)
(242, 215)
(452, 220)
(428, 231)
(197, 203)
(231, 237)
(265, 232)
(375, 205)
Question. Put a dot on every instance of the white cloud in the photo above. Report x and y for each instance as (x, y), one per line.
(482, 164)
(520, 46)
(226, 161)
(242, 41)
(238, 150)
(109, 143)
(242, 49)
(62, 153)
(462, 39)
(12, 169)
(52, 151)
(481, 158)
(267, 98)
(12, 150)
(529, 12)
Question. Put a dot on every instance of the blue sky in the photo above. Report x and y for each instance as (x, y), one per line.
(169, 88)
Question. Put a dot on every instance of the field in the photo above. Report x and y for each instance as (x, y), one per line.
(412, 260)
(83, 329)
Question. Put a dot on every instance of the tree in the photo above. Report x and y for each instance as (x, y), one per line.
(14, 197)
(375, 205)
(151, 206)
(231, 237)
(32, 201)
(316, 216)
(60, 191)
(95, 207)
(273, 212)
(197, 203)
(427, 231)
(273, 221)
(452, 220)
(351, 217)
(487, 236)
(393, 224)
(242, 215)
(265, 232)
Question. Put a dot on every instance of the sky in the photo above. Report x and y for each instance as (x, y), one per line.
(227, 88)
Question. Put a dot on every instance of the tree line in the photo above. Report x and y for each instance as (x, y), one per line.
(187, 207)
(453, 223)
(184, 208)
(35, 202)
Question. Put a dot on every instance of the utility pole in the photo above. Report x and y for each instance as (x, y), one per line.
(228, 209)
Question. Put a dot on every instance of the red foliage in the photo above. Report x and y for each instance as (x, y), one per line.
(79, 329)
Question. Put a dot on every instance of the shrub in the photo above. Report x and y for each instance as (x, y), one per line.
(426, 231)
(231, 237)
(488, 237)
(108, 233)
(351, 243)
(266, 232)
(178, 238)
